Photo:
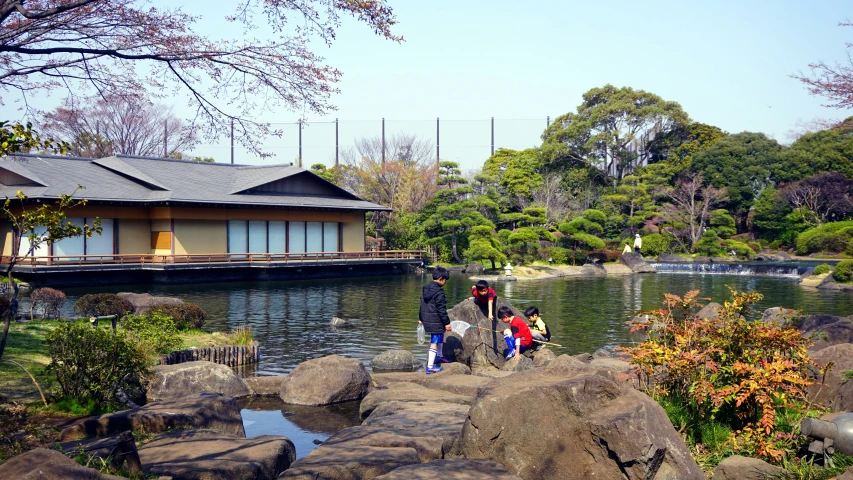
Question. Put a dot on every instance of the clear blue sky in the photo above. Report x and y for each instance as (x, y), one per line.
(726, 62)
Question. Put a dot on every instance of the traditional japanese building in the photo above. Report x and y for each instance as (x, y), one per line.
(177, 217)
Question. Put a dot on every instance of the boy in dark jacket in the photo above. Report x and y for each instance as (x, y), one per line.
(433, 316)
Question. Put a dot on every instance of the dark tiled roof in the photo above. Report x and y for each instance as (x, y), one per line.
(159, 180)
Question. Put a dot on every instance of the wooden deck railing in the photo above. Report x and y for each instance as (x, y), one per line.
(307, 258)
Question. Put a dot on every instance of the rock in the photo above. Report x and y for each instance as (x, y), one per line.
(421, 418)
(427, 448)
(583, 357)
(339, 322)
(710, 311)
(408, 392)
(783, 256)
(454, 350)
(518, 364)
(45, 464)
(176, 381)
(843, 401)
(193, 411)
(474, 269)
(602, 353)
(211, 455)
(456, 268)
(702, 259)
(343, 462)
(737, 467)
(326, 380)
(395, 360)
(636, 263)
(721, 259)
(595, 269)
(452, 469)
(813, 322)
(265, 385)
(842, 356)
(543, 357)
(847, 475)
(836, 333)
(142, 302)
(828, 283)
(781, 315)
(586, 426)
(672, 258)
(481, 347)
(447, 381)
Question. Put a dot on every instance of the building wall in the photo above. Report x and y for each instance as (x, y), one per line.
(6, 238)
(353, 234)
(134, 236)
(200, 236)
(162, 240)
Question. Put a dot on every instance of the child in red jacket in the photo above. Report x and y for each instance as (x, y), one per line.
(518, 337)
(482, 294)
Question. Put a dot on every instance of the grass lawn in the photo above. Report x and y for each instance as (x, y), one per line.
(26, 345)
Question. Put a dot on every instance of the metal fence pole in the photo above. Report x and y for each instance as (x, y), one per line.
(165, 138)
(337, 147)
(493, 135)
(437, 142)
(232, 141)
(383, 142)
(300, 142)
(548, 121)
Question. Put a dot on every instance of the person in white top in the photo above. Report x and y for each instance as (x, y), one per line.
(638, 243)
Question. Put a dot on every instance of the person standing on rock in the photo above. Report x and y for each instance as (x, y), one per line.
(518, 337)
(483, 294)
(638, 243)
(433, 316)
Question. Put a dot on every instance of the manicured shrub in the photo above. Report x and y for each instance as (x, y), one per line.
(710, 244)
(843, 272)
(101, 304)
(655, 244)
(822, 268)
(723, 223)
(741, 249)
(92, 363)
(596, 216)
(742, 374)
(154, 330)
(560, 255)
(47, 300)
(581, 224)
(829, 237)
(185, 315)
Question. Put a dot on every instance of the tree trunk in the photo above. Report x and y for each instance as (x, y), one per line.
(13, 307)
(455, 255)
(493, 263)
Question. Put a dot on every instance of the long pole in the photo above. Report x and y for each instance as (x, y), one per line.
(300, 143)
(165, 138)
(493, 135)
(437, 143)
(232, 141)
(337, 147)
(383, 143)
(548, 121)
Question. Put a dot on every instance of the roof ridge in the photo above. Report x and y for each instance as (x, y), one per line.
(180, 160)
(61, 157)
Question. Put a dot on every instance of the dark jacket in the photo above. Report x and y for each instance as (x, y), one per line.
(433, 311)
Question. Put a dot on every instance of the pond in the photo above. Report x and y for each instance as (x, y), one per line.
(290, 319)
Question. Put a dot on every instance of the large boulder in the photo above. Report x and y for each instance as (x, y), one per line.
(395, 360)
(843, 401)
(45, 464)
(346, 462)
(813, 322)
(781, 315)
(365, 436)
(421, 418)
(193, 411)
(710, 311)
(326, 380)
(408, 392)
(518, 364)
(836, 333)
(142, 302)
(672, 258)
(636, 263)
(452, 469)
(483, 346)
(211, 455)
(842, 357)
(737, 467)
(179, 380)
(586, 426)
(594, 269)
(543, 356)
(264, 385)
(475, 269)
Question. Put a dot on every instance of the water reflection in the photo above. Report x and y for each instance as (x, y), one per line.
(291, 318)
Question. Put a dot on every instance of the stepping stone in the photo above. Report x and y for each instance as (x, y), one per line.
(452, 469)
(214, 412)
(462, 384)
(44, 464)
(408, 392)
(176, 381)
(212, 455)
(440, 420)
(427, 448)
(267, 385)
(345, 462)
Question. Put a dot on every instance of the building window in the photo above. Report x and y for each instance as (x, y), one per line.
(238, 236)
(102, 244)
(277, 237)
(296, 237)
(314, 237)
(330, 236)
(257, 237)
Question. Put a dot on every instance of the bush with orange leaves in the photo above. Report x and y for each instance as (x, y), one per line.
(732, 371)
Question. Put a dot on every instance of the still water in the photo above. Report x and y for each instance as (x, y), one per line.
(290, 319)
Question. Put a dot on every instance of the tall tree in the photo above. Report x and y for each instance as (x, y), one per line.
(99, 46)
(513, 173)
(126, 124)
(691, 201)
(612, 130)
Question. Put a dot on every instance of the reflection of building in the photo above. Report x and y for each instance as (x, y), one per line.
(177, 215)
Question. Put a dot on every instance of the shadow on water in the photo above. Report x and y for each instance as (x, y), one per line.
(306, 427)
(291, 319)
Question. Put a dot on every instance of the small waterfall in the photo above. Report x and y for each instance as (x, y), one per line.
(764, 269)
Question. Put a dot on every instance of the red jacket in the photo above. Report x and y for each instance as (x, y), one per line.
(521, 330)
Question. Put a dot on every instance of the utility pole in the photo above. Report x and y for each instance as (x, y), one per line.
(493, 135)
(383, 143)
(232, 141)
(337, 145)
(165, 138)
(437, 143)
(300, 142)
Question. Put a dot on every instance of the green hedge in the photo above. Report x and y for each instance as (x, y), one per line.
(843, 271)
(829, 237)
(822, 268)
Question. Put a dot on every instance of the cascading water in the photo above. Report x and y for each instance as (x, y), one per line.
(766, 269)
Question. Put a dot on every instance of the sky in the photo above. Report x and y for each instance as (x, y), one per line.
(728, 63)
